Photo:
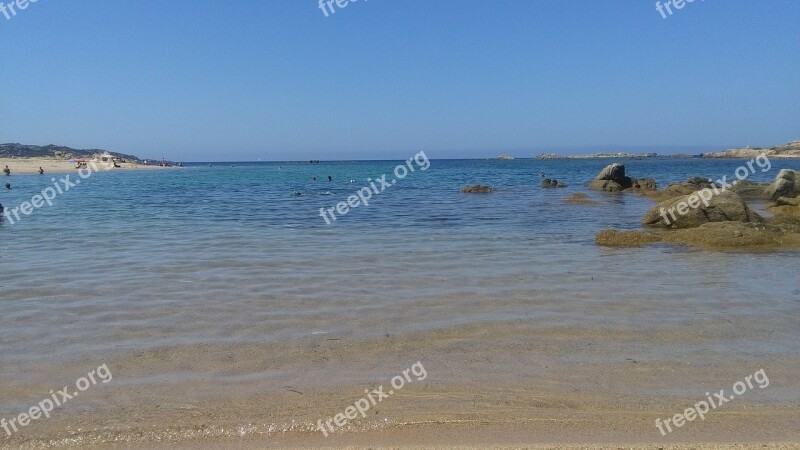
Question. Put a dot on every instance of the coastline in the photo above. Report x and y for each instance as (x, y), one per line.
(30, 166)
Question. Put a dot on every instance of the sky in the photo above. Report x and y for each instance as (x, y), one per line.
(210, 80)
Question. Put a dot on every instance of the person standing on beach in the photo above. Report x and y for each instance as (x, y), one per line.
(7, 171)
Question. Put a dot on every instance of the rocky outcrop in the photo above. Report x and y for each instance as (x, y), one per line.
(614, 238)
(548, 183)
(687, 187)
(477, 189)
(785, 211)
(786, 184)
(645, 184)
(713, 235)
(749, 190)
(613, 179)
(783, 201)
(691, 211)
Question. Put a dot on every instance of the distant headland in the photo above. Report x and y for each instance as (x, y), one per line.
(56, 152)
(790, 150)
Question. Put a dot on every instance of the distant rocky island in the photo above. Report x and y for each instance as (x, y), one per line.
(790, 150)
(597, 155)
(56, 152)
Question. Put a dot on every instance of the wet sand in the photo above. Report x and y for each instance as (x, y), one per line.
(513, 385)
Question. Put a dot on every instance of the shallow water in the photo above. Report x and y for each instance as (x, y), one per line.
(179, 280)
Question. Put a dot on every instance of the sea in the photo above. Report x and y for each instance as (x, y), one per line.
(220, 281)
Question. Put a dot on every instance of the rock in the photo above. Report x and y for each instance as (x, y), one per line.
(786, 184)
(787, 211)
(580, 199)
(605, 185)
(750, 190)
(614, 238)
(783, 201)
(712, 235)
(645, 184)
(707, 205)
(613, 172)
(735, 235)
(548, 183)
(612, 179)
(687, 187)
(477, 189)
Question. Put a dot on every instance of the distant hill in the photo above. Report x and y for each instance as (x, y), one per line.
(790, 150)
(53, 151)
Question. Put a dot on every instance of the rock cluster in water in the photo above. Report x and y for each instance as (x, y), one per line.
(613, 179)
(700, 213)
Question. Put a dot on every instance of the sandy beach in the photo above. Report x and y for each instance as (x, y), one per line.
(27, 166)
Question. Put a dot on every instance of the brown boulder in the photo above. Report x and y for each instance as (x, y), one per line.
(707, 205)
(687, 187)
(786, 184)
(612, 179)
(750, 190)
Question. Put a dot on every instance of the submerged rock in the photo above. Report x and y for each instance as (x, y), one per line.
(580, 199)
(707, 205)
(477, 189)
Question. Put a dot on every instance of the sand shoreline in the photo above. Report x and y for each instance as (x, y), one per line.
(30, 166)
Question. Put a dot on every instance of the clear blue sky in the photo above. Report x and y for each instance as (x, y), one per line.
(276, 79)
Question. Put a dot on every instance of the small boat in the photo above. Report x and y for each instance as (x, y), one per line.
(505, 157)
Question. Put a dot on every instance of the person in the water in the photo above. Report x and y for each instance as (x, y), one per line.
(330, 178)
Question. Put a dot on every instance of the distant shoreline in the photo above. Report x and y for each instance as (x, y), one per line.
(30, 166)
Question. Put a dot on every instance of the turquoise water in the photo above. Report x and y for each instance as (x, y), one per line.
(228, 255)
(121, 241)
